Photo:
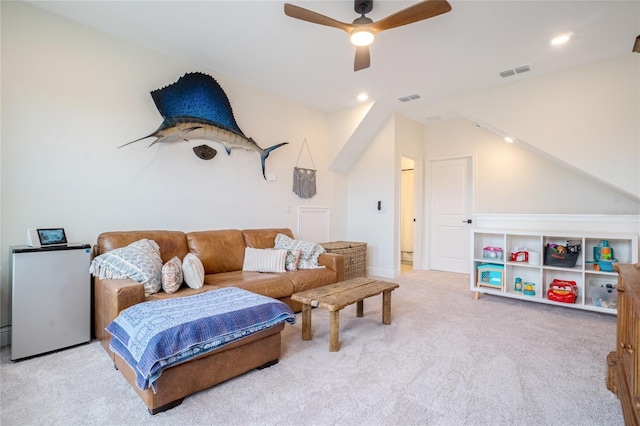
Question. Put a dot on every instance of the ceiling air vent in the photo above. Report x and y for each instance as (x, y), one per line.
(514, 71)
(507, 73)
(409, 98)
(433, 118)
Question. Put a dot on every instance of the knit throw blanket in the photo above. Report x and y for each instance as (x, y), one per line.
(156, 335)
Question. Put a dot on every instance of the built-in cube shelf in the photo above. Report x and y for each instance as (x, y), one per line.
(593, 286)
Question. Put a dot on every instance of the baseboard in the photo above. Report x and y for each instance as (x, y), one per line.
(5, 336)
(379, 272)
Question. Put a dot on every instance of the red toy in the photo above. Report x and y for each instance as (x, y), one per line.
(520, 256)
(562, 291)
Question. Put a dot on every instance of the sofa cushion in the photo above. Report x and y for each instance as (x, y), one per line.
(172, 275)
(184, 291)
(264, 260)
(139, 260)
(306, 279)
(309, 250)
(172, 243)
(271, 285)
(219, 251)
(193, 271)
(263, 238)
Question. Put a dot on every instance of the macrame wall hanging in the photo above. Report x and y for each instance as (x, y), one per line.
(304, 180)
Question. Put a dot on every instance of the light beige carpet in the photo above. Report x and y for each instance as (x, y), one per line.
(445, 359)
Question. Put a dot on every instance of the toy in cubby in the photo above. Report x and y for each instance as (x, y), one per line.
(493, 253)
(517, 285)
(491, 275)
(527, 287)
(603, 258)
(564, 291)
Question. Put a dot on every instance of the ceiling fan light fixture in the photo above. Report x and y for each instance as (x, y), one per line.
(362, 31)
(362, 37)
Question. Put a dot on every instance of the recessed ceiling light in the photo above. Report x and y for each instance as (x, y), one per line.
(561, 39)
(363, 97)
(508, 139)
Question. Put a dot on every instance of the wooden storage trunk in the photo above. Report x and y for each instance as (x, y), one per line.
(355, 257)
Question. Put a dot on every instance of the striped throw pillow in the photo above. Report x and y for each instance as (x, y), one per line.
(264, 260)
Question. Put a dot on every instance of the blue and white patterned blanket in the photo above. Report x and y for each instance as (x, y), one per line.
(152, 336)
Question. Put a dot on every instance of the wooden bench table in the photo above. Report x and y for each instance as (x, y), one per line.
(334, 297)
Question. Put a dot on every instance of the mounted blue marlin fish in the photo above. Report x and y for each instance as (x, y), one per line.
(196, 107)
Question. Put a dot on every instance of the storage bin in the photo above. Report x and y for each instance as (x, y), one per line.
(355, 257)
(491, 275)
(564, 260)
(602, 292)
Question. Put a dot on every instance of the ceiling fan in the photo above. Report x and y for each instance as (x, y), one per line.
(363, 29)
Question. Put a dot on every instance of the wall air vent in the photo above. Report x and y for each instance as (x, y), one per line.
(514, 71)
(409, 98)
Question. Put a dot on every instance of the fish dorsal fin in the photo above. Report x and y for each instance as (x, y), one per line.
(196, 95)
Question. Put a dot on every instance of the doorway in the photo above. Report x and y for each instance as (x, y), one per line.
(407, 214)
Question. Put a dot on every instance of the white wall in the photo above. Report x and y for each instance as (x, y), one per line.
(587, 117)
(372, 179)
(513, 180)
(71, 95)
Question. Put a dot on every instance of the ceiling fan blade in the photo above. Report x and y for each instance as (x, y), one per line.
(303, 14)
(363, 58)
(417, 12)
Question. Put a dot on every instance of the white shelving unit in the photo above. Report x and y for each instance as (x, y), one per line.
(625, 251)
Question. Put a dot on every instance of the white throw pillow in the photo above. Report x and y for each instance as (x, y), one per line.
(193, 271)
(264, 260)
(139, 261)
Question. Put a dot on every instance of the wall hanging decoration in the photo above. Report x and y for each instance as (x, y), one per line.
(304, 180)
(196, 107)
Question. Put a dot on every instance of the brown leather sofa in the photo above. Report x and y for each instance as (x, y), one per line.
(222, 254)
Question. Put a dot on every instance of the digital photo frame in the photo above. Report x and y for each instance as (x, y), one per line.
(43, 237)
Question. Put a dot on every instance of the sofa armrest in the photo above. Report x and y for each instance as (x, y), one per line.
(334, 262)
(110, 298)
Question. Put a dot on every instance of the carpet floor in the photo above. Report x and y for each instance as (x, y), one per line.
(446, 359)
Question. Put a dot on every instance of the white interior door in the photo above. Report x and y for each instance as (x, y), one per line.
(451, 211)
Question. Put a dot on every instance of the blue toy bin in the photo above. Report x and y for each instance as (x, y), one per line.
(491, 275)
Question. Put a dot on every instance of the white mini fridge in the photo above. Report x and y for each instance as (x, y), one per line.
(51, 298)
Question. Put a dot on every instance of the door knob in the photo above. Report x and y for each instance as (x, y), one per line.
(467, 221)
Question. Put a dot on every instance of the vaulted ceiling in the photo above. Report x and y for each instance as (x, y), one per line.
(458, 52)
